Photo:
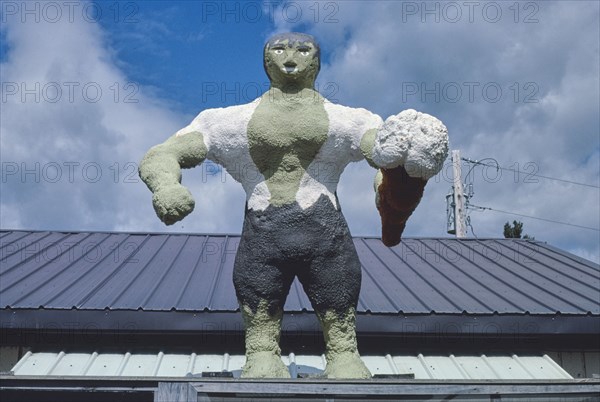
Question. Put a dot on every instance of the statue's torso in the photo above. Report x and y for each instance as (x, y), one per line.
(284, 136)
(285, 150)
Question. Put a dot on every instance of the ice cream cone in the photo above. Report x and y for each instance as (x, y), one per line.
(398, 196)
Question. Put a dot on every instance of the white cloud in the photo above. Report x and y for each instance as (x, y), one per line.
(73, 130)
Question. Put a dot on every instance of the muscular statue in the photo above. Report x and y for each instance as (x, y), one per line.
(288, 149)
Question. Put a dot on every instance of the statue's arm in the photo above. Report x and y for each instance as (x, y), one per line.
(161, 168)
(367, 144)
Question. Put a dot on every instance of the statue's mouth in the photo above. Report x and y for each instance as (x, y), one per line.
(289, 69)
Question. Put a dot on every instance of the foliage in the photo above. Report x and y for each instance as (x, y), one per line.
(515, 230)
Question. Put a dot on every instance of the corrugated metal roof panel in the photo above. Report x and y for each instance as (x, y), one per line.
(173, 365)
(474, 367)
(104, 364)
(72, 363)
(183, 272)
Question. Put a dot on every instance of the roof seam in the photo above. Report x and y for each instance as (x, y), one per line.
(164, 274)
(397, 307)
(217, 275)
(37, 254)
(18, 239)
(71, 264)
(570, 256)
(91, 267)
(192, 271)
(298, 294)
(482, 284)
(29, 274)
(526, 295)
(95, 290)
(456, 306)
(475, 280)
(536, 286)
(139, 273)
(563, 263)
(554, 281)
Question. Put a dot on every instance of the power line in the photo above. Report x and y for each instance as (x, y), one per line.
(533, 217)
(531, 174)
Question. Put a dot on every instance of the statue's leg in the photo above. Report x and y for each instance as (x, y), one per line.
(261, 290)
(343, 359)
(332, 284)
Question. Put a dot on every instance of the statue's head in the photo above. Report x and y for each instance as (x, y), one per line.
(292, 59)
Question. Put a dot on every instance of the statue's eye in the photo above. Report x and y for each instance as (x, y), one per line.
(304, 52)
(278, 51)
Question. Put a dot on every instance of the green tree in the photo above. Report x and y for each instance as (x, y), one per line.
(515, 230)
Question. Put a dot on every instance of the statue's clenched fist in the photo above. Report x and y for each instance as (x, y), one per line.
(172, 203)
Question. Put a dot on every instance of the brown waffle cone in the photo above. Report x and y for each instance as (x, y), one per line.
(399, 195)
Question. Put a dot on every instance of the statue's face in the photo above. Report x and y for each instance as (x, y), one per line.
(292, 62)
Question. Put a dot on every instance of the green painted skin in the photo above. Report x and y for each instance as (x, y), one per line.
(263, 354)
(343, 360)
(284, 135)
(161, 171)
(299, 56)
(366, 146)
(290, 124)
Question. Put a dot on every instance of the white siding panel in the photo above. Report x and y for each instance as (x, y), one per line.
(174, 366)
(35, 364)
(105, 365)
(139, 366)
(411, 364)
(179, 365)
(71, 364)
(476, 367)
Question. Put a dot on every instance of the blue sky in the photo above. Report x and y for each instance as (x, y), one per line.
(181, 49)
(86, 90)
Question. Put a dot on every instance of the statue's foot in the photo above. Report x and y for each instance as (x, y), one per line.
(346, 365)
(264, 365)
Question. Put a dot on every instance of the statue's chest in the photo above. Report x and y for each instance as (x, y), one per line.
(279, 128)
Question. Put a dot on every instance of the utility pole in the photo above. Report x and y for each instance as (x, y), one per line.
(459, 198)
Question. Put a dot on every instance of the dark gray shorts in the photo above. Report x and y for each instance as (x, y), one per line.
(315, 245)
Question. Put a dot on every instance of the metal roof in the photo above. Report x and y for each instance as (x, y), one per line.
(509, 367)
(193, 272)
